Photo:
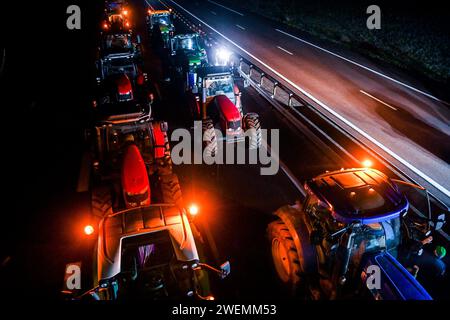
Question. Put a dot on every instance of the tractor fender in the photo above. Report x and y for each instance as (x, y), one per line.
(294, 219)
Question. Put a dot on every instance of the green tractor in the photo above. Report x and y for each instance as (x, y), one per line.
(188, 53)
(163, 19)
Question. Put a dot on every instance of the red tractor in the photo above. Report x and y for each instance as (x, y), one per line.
(215, 99)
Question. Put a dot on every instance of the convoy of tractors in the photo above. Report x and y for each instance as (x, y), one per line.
(148, 246)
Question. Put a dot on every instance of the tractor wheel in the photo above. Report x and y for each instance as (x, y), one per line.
(101, 202)
(209, 138)
(161, 147)
(253, 127)
(170, 189)
(284, 254)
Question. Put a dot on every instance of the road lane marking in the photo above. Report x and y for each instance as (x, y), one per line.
(285, 169)
(376, 99)
(364, 67)
(328, 109)
(240, 27)
(214, 13)
(282, 49)
(220, 5)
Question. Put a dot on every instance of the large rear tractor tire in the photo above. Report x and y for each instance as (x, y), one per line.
(285, 256)
(253, 130)
(209, 138)
(171, 190)
(101, 202)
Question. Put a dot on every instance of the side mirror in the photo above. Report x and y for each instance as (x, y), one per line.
(225, 269)
(439, 223)
(164, 126)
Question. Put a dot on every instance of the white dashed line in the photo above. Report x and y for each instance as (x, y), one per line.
(240, 27)
(220, 5)
(282, 49)
(214, 13)
(364, 67)
(376, 99)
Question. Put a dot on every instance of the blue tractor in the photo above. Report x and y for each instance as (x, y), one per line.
(353, 236)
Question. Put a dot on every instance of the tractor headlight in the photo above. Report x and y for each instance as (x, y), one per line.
(223, 56)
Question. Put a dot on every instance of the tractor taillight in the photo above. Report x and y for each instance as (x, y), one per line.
(367, 163)
(193, 209)
(88, 230)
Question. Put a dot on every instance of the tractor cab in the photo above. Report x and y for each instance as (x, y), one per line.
(119, 43)
(116, 18)
(149, 252)
(188, 50)
(117, 64)
(161, 18)
(213, 81)
(144, 251)
(362, 196)
(355, 208)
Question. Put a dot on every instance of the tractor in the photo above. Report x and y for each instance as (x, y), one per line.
(116, 16)
(215, 99)
(161, 19)
(146, 247)
(352, 224)
(187, 52)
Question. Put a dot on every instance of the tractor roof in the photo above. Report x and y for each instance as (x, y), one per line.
(159, 12)
(185, 35)
(137, 222)
(227, 108)
(211, 71)
(364, 195)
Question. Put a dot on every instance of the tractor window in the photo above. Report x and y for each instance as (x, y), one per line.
(120, 66)
(118, 42)
(215, 87)
(190, 43)
(146, 251)
(161, 20)
(313, 206)
(235, 125)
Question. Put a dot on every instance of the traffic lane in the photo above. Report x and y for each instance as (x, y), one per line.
(345, 100)
(293, 144)
(264, 26)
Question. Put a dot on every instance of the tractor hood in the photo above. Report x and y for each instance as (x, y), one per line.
(164, 28)
(114, 228)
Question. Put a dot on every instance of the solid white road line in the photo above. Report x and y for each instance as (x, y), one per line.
(327, 108)
(220, 5)
(364, 67)
(376, 99)
(240, 27)
(282, 49)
